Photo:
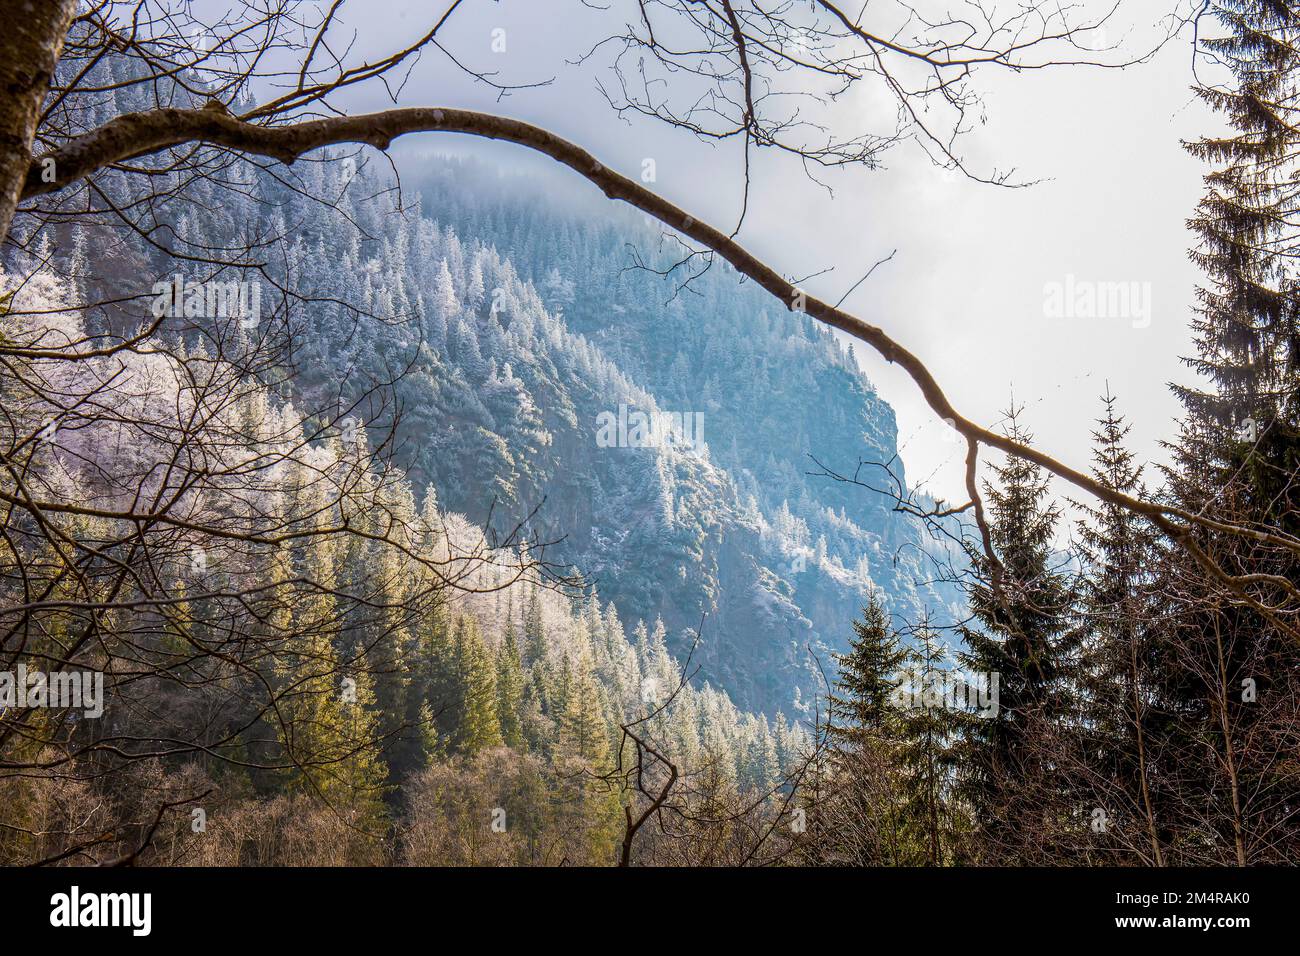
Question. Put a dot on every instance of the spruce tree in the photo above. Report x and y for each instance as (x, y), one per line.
(583, 730)
(869, 674)
(1246, 329)
(921, 752)
(890, 738)
(1238, 456)
(1124, 708)
(762, 769)
(438, 679)
(510, 693)
(477, 724)
(329, 730)
(857, 821)
(1019, 603)
(534, 630)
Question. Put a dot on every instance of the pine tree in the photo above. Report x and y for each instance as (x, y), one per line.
(1123, 706)
(1019, 603)
(534, 630)
(583, 730)
(762, 766)
(1246, 332)
(922, 754)
(891, 795)
(477, 724)
(510, 693)
(1238, 456)
(869, 674)
(329, 731)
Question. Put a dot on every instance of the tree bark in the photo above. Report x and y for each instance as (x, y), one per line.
(30, 44)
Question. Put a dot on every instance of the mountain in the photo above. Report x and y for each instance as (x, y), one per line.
(339, 402)
(526, 329)
(512, 335)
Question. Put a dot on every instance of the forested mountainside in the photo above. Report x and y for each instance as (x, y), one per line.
(379, 699)
(526, 326)
(351, 446)
(343, 668)
(498, 332)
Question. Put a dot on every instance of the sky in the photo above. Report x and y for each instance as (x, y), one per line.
(984, 281)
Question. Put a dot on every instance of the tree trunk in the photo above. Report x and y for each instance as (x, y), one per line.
(30, 44)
